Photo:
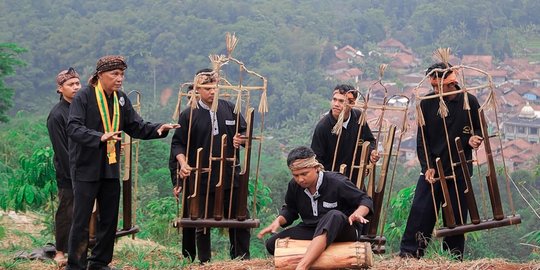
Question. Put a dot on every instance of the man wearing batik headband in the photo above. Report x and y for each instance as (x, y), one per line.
(346, 119)
(332, 209)
(422, 217)
(67, 85)
(205, 124)
(98, 115)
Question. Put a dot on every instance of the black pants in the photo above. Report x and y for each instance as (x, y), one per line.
(63, 218)
(335, 223)
(422, 219)
(238, 238)
(107, 193)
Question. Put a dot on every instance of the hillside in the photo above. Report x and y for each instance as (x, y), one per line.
(21, 232)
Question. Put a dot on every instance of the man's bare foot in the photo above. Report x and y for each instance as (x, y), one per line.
(60, 259)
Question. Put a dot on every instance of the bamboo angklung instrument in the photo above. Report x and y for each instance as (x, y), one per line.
(218, 218)
(455, 227)
(128, 184)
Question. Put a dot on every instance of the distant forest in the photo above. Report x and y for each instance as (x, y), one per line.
(288, 41)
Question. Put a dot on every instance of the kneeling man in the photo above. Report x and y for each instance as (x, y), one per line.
(331, 207)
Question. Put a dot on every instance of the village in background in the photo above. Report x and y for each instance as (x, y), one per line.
(516, 83)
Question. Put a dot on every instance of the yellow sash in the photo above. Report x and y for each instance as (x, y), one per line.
(108, 125)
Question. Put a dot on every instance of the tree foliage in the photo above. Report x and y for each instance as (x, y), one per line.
(9, 59)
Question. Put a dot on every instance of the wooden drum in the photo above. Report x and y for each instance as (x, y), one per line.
(355, 255)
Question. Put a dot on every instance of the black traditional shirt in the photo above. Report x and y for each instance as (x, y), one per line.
(458, 125)
(324, 142)
(57, 124)
(203, 126)
(335, 192)
(87, 153)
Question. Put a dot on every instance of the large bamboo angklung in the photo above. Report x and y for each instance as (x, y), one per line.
(499, 219)
(222, 193)
(378, 191)
(128, 183)
(456, 227)
(349, 255)
(377, 182)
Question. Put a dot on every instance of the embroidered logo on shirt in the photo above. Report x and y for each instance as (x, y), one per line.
(466, 130)
(121, 101)
(230, 122)
(329, 205)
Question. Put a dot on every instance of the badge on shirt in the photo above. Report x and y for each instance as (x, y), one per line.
(122, 101)
(329, 205)
(230, 122)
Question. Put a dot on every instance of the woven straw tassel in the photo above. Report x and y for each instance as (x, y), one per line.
(193, 100)
(419, 115)
(238, 104)
(231, 41)
(263, 104)
(443, 54)
(443, 110)
(339, 124)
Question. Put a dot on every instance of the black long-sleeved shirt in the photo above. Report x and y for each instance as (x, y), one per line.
(87, 153)
(458, 125)
(201, 134)
(324, 142)
(56, 124)
(335, 192)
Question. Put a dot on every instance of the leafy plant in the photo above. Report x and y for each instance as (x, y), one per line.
(155, 219)
(532, 237)
(32, 183)
(263, 198)
(399, 208)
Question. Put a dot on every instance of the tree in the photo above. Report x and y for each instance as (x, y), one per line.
(9, 53)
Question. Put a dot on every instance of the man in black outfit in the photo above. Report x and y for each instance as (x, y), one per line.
(98, 115)
(68, 83)
(327, 202)
(422, 217)
(325, 140)
(206, 124)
